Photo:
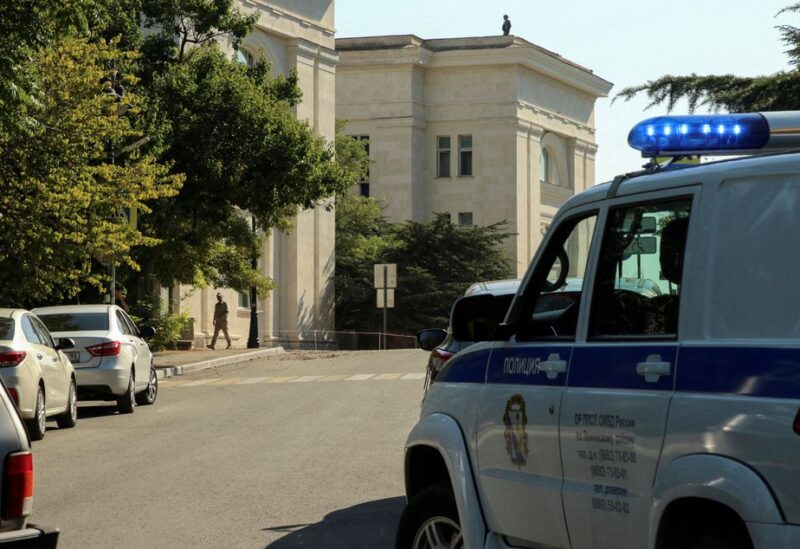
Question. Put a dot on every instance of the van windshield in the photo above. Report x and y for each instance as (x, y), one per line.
(76, 322)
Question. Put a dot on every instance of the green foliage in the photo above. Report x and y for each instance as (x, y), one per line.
(168, 326)
(61, 195)
(775, 92)
(437, 261)
(362, 238)
(231, 130)
(351, 153)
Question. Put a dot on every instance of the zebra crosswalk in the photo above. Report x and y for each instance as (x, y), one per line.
(292, 379)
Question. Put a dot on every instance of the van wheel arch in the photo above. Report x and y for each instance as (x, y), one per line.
(425, 466)
(700, 523)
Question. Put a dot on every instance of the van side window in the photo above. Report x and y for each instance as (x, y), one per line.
(550, 311)
(639, 272)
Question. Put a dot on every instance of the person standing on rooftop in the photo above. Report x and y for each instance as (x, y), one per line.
(506, 25)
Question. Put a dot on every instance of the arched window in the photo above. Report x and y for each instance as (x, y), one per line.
(544, 167)
(244, 57)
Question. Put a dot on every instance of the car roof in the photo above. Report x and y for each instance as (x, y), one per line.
(66, 309)
(762, 165)
(7, 312)
(495, 287)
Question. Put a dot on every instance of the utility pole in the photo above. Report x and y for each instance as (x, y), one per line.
(252, 340)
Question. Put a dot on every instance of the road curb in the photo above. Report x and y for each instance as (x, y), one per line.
(164, 372)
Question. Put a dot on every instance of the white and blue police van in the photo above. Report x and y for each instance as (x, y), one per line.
(654, 405)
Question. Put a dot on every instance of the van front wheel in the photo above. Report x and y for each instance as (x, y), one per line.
(430, 521)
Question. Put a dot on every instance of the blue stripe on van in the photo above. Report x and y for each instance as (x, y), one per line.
(746, 371)
(519, 365)
(465, 367)
(614, 366)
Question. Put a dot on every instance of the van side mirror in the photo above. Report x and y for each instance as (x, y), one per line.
(146, 332)
(478, 318)
(428, 340)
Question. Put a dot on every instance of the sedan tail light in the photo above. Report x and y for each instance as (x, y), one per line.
(12, 358)
(110, 348)
(18, 486)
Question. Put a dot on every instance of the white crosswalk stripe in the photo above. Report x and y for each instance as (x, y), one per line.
(296, 379)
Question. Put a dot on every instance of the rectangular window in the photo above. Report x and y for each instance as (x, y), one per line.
(364, 183)
(465, 219)
(364, 189)
(443, 156)
(464, 155)
(639, 273)
(244, 300)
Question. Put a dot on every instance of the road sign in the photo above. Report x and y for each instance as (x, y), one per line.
(388, 302)
(386, 275)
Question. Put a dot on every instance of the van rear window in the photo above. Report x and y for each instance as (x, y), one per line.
(76, 322)
(6, 329)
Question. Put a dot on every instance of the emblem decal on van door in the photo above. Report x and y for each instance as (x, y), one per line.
(515, 419)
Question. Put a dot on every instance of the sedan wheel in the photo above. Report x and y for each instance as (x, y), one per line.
(127, 402)
(36, 426)
(69, 418)
(148, 396)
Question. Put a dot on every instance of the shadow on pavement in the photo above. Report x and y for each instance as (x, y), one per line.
(370, 525)
(96, 410)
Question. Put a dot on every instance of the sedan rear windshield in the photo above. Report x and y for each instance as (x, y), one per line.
(6, 329)
(76, 322)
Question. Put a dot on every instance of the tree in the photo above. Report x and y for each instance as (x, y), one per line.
(231, 130)
(775, 92)
(61, 193)
(363, 237)
(437, 261)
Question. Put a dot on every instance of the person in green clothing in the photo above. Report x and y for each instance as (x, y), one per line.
(220, 322)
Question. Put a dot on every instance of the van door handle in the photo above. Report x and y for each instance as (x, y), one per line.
(553, 366)
(653, 368)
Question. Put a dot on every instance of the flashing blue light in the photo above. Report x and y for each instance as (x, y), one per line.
(700, 134)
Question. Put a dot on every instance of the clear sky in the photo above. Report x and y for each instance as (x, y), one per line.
(626, 42)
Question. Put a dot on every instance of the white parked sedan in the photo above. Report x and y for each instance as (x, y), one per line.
(38, 375)
(111, 357)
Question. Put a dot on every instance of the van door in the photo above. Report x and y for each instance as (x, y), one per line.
(519, 463)
(622, 377)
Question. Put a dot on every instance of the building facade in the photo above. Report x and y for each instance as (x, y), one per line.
(291, 35)
(484, 129)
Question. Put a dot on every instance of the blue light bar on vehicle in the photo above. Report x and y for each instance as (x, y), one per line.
(722, 134)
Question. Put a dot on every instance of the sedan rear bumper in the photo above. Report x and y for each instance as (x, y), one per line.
(110, 378)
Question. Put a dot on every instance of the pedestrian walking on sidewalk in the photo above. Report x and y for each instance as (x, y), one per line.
(220, 322)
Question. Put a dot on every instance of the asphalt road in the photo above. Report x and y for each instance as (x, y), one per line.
(297, 450)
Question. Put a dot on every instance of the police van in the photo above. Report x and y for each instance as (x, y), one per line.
(656, 408)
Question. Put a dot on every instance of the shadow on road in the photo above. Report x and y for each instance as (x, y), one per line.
(370, 525)
(96, 410)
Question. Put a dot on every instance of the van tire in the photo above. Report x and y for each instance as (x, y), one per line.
(433, 507)
(720, 540)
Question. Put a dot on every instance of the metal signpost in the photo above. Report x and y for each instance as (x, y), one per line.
(385, 284)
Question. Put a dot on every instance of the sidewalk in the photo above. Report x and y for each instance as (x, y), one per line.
(172, 363)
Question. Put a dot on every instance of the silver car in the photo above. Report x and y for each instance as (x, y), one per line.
(111, 358)
(36, 372)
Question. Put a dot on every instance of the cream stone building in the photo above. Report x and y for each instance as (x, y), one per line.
(291, 35)
(484, 129)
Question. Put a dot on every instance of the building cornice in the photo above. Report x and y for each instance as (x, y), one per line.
(310, 50)
(525, 106)
(265, 7)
